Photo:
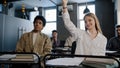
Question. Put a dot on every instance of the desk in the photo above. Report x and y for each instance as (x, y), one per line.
(113, 53)
(62, 50)
(6, 58)
(75, 61)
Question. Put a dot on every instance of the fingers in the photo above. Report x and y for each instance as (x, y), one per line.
(64, 3)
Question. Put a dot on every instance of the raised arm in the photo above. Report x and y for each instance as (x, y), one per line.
(67, 21)
(64, 3)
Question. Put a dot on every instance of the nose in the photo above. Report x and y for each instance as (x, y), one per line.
(87, 23)
(36, 24)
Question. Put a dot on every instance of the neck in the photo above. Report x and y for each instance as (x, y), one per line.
(93, 31)
(35, 31)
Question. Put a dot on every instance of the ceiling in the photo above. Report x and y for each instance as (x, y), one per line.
(41, 3)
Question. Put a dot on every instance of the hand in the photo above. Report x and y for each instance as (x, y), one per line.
(55, 39)
(64, 3)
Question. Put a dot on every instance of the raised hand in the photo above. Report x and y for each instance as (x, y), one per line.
(64, 2)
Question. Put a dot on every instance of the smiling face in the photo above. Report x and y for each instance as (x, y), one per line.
(92, 22)
(89, 23)
(38, 25)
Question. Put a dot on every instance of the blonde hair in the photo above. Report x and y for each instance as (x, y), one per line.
(97, 25)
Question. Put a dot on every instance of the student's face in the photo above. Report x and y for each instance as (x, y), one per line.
(54, 34)
(89, 22)
(118, 31)
(38, 25)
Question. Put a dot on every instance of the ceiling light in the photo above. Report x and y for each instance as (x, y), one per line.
(86, 9)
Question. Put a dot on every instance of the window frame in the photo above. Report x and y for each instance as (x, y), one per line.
(49, 8)
(50, 22)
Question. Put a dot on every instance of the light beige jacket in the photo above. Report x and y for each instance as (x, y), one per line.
(42, 44)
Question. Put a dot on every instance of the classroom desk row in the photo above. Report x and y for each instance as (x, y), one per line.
(61, 60)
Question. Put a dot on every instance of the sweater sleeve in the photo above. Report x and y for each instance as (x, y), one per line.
(69, 24)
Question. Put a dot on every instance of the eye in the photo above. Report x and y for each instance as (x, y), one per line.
(89, 20)
(40, 22)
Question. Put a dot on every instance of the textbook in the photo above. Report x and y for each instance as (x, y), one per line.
(23, 57)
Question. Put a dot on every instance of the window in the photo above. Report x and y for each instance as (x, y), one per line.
(81, 15)
(50, 15)
(48, 28)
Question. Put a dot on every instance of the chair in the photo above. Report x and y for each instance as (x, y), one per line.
(73, 48)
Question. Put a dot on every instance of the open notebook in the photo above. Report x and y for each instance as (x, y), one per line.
(65, 61)
(92, 62)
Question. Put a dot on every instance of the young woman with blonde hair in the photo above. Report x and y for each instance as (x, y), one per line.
(90, 41)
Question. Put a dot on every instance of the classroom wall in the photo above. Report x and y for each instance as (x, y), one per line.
(11, 30)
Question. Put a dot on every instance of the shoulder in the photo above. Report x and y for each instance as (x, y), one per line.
(26, 34)
(80, 31)
(101, 36)
(113, 38)
(44, 35)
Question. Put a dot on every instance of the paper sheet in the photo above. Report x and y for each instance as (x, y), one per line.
(7, 56)
(65, 61)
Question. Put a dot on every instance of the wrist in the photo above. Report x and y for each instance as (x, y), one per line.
(64, 7)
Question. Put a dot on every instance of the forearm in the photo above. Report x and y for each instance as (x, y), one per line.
(66, 18)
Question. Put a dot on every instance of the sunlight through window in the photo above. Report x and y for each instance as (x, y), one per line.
(50, 15)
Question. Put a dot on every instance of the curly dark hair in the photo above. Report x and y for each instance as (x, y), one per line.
(40, 18)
